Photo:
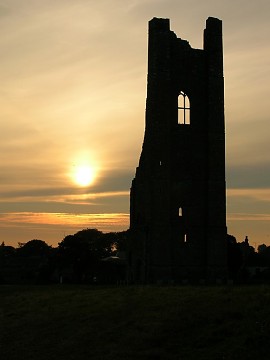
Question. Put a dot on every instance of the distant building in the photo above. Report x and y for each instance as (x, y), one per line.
(177, 200)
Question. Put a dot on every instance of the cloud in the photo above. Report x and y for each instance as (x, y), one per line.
(62, 218)
(256, 194)
(249, 176)
(248, 214)
(53, 227)
(252, 202)
(113, 180)
(110, 194)
(248, 217)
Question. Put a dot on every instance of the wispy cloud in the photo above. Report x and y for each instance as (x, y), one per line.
(248, 217)
(53, 227)
(88, 220)
(248, 214)
(261, 194)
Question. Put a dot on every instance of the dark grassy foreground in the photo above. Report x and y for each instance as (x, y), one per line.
(75, 322)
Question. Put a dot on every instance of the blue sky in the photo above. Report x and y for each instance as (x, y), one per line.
(73, 89)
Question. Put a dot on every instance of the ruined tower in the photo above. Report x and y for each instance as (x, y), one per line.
(177, 200)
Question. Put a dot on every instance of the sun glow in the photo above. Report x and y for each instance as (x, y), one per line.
(84, 175)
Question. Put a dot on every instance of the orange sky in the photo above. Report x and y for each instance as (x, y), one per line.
(73, 88)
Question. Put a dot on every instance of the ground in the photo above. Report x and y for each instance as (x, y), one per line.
(92, 322)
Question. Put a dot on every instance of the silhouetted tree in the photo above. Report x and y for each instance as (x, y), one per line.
(34, 248)
(235, 257)
(248, 253)
(81, 257)
(262, 248)
(264, 255)
(84, 251)
(34, 260)
(29, 263)
(7, 253)
(81, 251)
(115, 242)
(122, 239)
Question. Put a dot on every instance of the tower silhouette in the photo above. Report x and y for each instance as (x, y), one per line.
(177, 199)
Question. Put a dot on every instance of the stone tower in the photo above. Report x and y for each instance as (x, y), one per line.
(177, 200)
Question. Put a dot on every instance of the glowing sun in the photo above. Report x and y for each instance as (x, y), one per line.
(84, 175)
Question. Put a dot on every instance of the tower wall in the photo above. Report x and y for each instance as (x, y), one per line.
(177, 202)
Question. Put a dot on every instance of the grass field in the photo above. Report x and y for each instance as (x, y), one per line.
(80, 322)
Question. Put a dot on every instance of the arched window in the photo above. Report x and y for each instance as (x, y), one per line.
(183, 109)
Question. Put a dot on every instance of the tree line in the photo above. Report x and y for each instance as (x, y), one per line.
(245, 263)
(93, 257)
(89, 256)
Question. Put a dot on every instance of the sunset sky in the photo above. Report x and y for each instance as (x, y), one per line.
(73, 89)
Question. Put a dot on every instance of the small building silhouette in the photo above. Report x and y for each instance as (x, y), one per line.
(177, 199)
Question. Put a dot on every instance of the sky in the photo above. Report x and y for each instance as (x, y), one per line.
(72, 95)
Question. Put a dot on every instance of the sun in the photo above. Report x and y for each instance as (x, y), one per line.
(83, 175)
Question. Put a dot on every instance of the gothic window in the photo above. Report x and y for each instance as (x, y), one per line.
(183, 109)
